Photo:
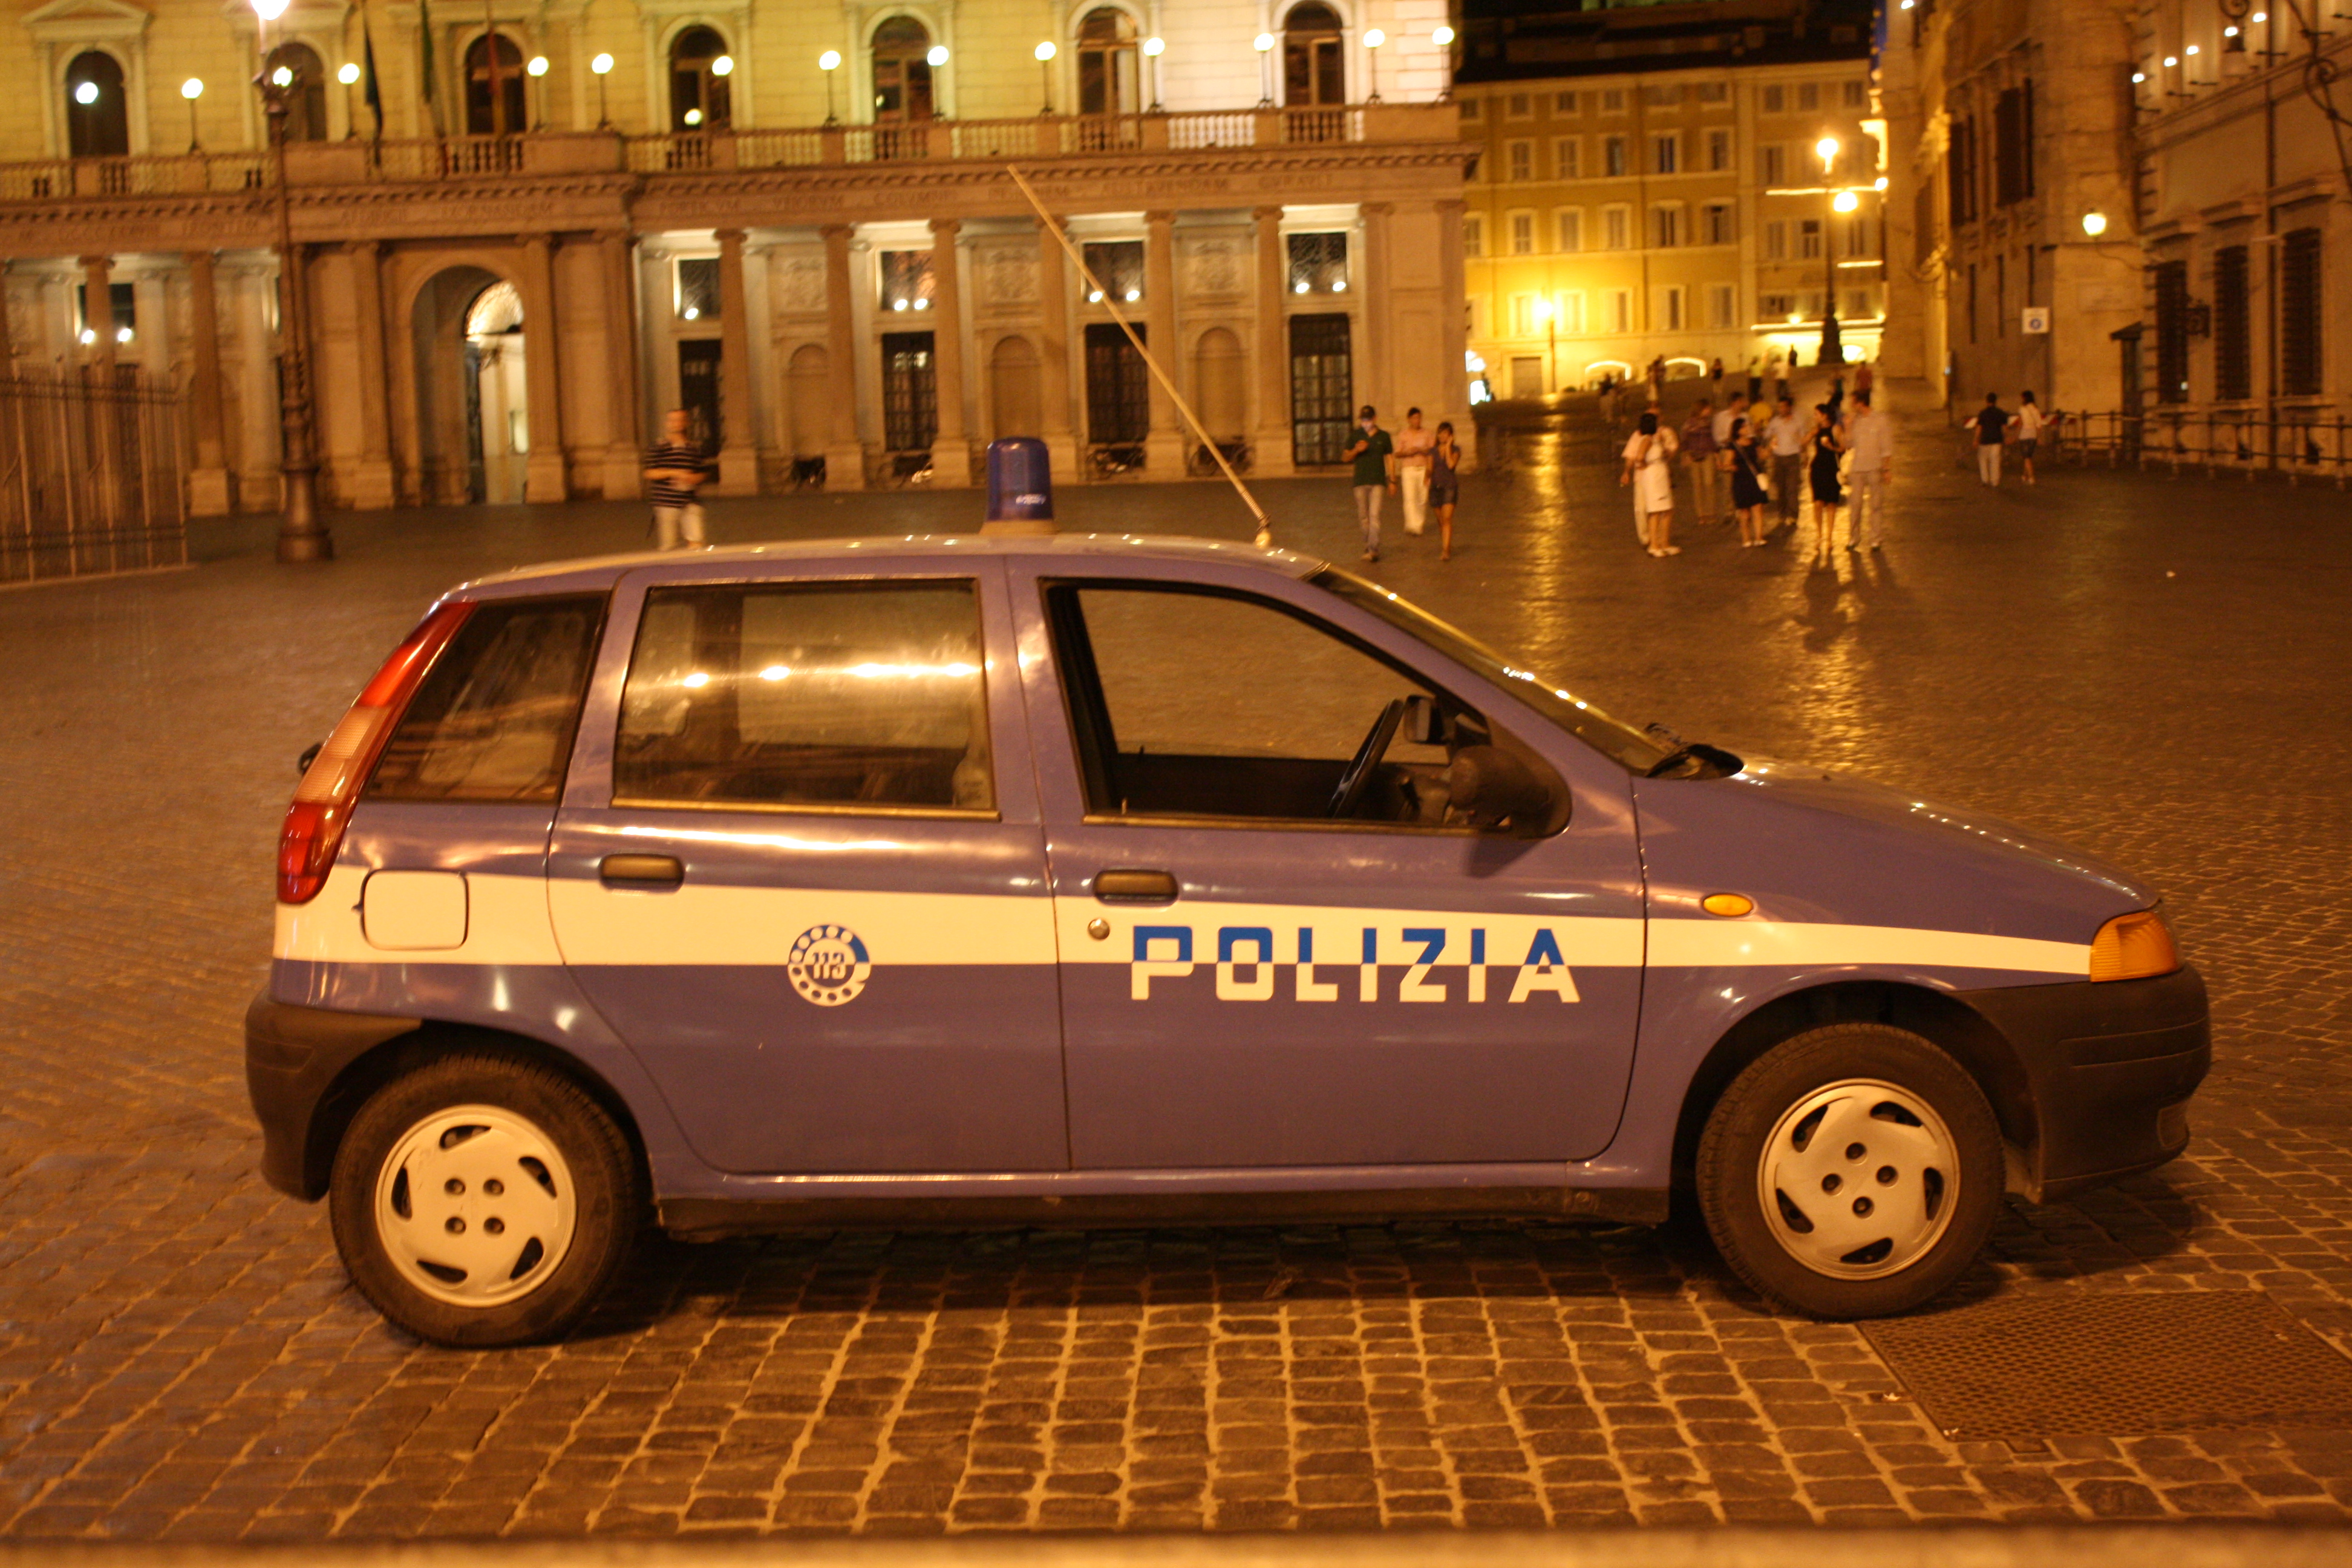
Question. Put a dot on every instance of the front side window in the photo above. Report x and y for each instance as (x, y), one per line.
(493, 718)
(816, 696)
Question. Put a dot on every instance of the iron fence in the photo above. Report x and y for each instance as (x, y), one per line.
(89, 475)
(2213, 443)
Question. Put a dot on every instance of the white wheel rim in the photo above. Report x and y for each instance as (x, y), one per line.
(475, 1207)
(1859, 1179)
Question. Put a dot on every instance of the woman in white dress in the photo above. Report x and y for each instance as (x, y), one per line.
(1649, 470)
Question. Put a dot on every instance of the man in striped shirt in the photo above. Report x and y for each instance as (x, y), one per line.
(674, 469)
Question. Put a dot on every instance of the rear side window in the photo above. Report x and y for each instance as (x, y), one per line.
(823, 695)
(493, 717)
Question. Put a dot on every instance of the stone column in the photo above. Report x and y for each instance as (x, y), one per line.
(950, 453)
(1270, 447)
(1375, 343)
(844, 455)
(371, 484)
(738, 435)
(98, 309)
(210, 492)
(624, 469)
(1452, 336)
(1164, 448)
(1053, 354)
(543, 477)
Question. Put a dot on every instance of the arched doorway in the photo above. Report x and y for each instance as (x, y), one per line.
(699, 96)
(472, 413)
(494, 87)
(296, 68)
(1109, 80)
(1314, 64)
(98, 111)
(1015, 405)
(903, 99)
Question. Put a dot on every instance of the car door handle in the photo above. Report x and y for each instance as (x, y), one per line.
(1140, 887)
(662, 871)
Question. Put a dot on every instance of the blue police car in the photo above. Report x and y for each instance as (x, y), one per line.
(983, 879)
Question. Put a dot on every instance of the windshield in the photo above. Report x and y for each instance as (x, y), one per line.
(1630, 749)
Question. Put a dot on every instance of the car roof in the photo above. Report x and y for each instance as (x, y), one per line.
(1104, 547)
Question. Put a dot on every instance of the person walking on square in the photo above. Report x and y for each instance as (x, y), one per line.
(676, 468)
(1412, 444)
(1829, 495)
(1992, 428)
(1748, 496)
(1374, 454)
(1649, 470)
(1784, 438)
(1870, 438)
(1445, 485)
(1698, 455)
(1715, 376)
(1727, 419)
(1755, 379)
(2028, 432)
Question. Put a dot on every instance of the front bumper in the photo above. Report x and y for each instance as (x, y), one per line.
(2107, 1070)
(292, 1057)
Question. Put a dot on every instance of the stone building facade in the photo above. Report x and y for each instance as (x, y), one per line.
(1648, 186)
(795, 219)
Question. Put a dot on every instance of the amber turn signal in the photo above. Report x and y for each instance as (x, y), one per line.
(2134, 947)
(1730, 906)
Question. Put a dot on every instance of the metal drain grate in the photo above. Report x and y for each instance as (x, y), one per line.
(2099, 1365)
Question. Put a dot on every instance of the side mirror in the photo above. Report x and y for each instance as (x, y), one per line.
(1500, 793)
(1424, 723)
(311, 754)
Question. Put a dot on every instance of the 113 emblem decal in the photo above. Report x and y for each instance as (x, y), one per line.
(829, 965)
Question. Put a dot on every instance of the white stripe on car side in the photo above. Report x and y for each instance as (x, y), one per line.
(514, 920)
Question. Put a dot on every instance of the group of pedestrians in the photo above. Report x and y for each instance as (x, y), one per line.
(1422, 468)
(1996, 428)
(1772, 458)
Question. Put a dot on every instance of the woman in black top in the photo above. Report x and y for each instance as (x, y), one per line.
(1827, 494)
(1748, 497)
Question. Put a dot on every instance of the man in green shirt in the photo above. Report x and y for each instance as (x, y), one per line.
(1376, 474)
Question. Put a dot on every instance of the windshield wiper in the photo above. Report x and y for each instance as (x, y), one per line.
(1694, 760)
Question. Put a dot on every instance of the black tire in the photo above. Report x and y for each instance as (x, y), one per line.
(1936, 1207)
(605, 1199)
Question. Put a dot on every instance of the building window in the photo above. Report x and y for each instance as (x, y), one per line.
(2012, 145)
(1772, 164)
(306, 92)
(494, 105)
(1318, 263)
(1117, 265)
(1563, 103)
(1519, 107)
(907, 280)
(1857, 305)
(698, 288)
(1776, 241)
(1568, 158)
(1721, 300)
(1856, 95)
(2300, 321)
(1314, 66)
(1118, 387)
(1107, 63)
(2171, 329)
(1714, 92)
(1718, 150)
(121, 303)
(1777, 308)
(1809, 240)
(1616, 225)
(1666, 155)
(98, 110)
(1470, 109)
(1523, 233)
(1612, 100)
(1961, 171)
(1571, 310)
(1612, 156)
(1776, 99)
(1661, 97)
(1568, 228)
(1521, 160)
(910, 392)
(1523, 315)
(1474, 233)
(1667, 227)
(1809, 97)
(1718, 222)
(698, 96)
(1621, 310)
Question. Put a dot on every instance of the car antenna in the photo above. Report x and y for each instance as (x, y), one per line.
(1265, 529)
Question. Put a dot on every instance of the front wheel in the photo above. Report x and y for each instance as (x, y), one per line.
(1853, 1171)
(483, 1200)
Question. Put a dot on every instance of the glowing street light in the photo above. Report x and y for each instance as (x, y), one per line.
(1373, 42)
(85, 93)
(301, 535)
(192, 90)
(1264, 44)
(1046, 53)
(600, 67)
(1443, 38)
(1549, 314)
(1833, 348)
(829, 62)
(1153, 47)
(723, 65)
(2095, 224)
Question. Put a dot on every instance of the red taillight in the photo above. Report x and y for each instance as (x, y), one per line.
(322, 805)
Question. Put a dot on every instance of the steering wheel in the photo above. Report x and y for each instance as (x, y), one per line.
(1368, 757)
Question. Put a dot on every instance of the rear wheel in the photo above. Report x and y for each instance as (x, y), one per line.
(483, 1200)
(1853, 1171)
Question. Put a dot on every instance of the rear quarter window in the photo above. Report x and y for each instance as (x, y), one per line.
(493, 717)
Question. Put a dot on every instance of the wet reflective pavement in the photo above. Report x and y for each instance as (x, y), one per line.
(2151, 668)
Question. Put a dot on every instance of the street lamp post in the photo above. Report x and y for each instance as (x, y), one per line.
(1153, 47)
(537, 71)
(1373, 42)
(600, 67)
(193, 89)
(1264, 44)
(1832, 347)
(829, 62)
(349, 76)
(1046, 53)
(1548, 313)
(301, 534)
(1443, 38)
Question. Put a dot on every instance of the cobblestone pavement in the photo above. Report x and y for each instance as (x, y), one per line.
(2153, 669)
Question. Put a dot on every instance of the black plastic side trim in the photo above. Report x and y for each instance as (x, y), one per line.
(291, 1056)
